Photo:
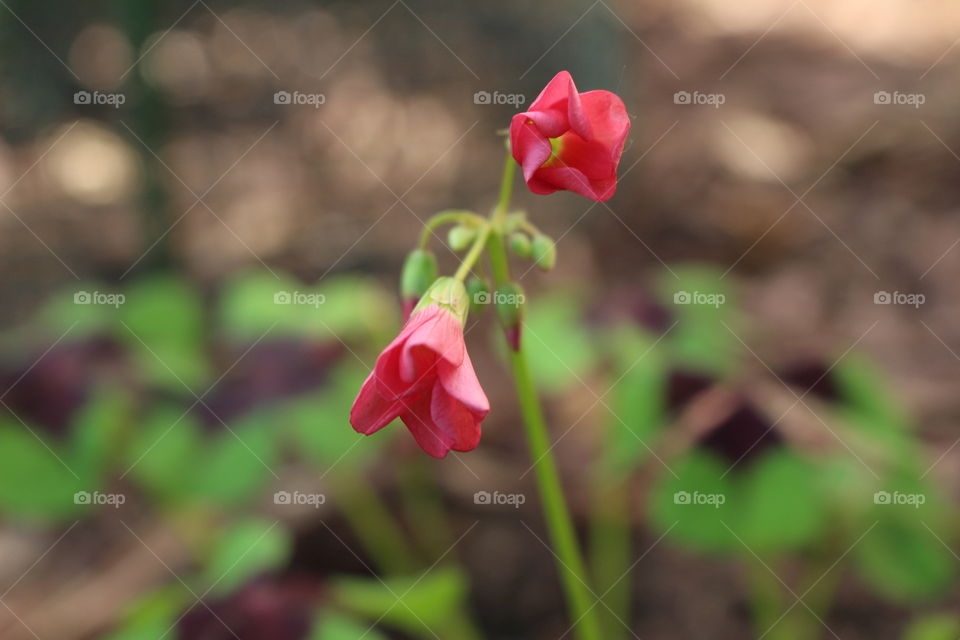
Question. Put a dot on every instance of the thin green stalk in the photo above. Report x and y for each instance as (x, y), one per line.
(475, 252)
(377, 529)
(424, 509)
(570, 563)
(455, 216)
(610, 552)
(768, 602)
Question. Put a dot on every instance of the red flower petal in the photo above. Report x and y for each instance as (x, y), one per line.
(371, 411)
(590, 130)
(419, 420)
(455, 420)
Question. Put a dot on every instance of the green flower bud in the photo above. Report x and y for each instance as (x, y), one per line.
(479, 292)
(419, 272)
(509, 300)
(520, 244)
(544, 252)
(460, 237)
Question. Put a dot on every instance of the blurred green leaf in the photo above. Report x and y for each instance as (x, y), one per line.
(345, 307)
(64, 311)
(336, 626)
(152, 616)
(695, 504)
(557, 342)
(863, 389)
(413, 604)
(906, 556)
(34, 484)
(780, 504)
(903, 560)
(934, 627)
(702, 302)
(319, 423)
(162, 322)
(237, 461)
(97, 430)
(165, 452)
(638, 400)
(246, 549)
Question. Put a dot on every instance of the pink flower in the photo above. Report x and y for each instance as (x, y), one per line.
(425, 378)
(571, 141)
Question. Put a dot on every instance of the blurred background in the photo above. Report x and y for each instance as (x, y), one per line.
(749, 356)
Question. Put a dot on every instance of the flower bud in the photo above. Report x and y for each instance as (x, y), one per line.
(419, 272)
(544, 252)
(479, 292)
(520, 244)
(448, 293)
(460, 237)
(509, 300)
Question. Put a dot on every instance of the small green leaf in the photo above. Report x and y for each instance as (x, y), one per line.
(697, 504)
(152, 615)
(162, 323)
(780, 503)
(319, 423)
(941, 626)
(415, 604)
(96, 432)
(557, 342)
(245, 550)
(705, 337)
(638, 405)
(237, 461)
(165, 453)
(35, 483)
(905, 561)
(335, 626)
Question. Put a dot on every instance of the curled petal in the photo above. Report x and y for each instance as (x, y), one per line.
(455, 419)
(439, 338)
(419, 420)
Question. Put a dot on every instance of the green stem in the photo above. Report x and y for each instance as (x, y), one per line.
(424, 509)
(610, 547)
(475, 251)
(570, 563)
(768, 602)
(372, 522)
(455, 216)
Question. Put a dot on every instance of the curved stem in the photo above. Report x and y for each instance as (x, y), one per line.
(447, 217)
(562, 535)
(475, 251)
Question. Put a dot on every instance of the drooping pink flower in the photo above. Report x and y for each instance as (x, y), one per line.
(425, 378)
(571, 141)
